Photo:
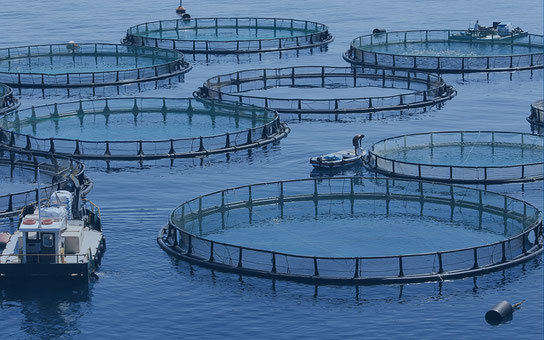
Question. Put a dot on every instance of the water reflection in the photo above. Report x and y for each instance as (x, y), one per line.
(48, 312)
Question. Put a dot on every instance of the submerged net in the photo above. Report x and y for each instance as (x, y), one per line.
(516, 223)
(86, 65)
(229, 35)
(7, 101)
(447, 51)
(424, 89)
(461, 156)
(19, 129)
(56, 173)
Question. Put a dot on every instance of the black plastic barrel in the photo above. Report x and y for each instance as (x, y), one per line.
(501, 312)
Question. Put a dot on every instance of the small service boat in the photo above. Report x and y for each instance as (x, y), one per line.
(340, 159)
(60, 240)
(497, 31)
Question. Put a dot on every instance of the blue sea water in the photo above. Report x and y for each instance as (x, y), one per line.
(144, 293)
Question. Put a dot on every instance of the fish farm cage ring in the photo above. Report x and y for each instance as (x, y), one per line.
(87, 65)
(57, 173)
(537, 113)
(425, 89)
(468, 157)
(229, 35)
(7, 101)
(443, 51)
(515, 227)
(254, 127)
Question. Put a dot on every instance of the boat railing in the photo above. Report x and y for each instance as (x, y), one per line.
(88, 204)
(44, 258)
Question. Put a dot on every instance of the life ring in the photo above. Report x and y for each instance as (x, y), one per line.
(29, 221)
(47, 221)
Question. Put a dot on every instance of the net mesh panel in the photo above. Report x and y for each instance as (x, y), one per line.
(429, 89)
(163, 63)
(263, 119)
(303, 34)
(461, 139)
(360, 54)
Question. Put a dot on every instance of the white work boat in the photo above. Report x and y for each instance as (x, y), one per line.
(499, 31)
(340, 159)
(60, 240)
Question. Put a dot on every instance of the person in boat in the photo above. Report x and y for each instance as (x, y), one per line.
(476, 26)
(357, 143)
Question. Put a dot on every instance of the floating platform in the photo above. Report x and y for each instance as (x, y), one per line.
(537, 113)
(87, 65)
(471, 157)
(141, 128)
(354, 230)
(7, 101)
(418, 89)
(229, 35)
(441, 51)
(57, 173)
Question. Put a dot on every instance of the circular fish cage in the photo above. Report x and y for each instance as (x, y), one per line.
(7, 101)
(418, 89)
(141, 128)
(446, 51)
(537, 113)
(20, 175)
(87, 65)
(354, 230)
(471, 157)
(229, 35)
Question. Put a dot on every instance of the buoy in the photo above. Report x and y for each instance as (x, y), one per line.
(501, 312)
(29, 221)
(180, 10)
(47, 221)
(378, 30)
(186, 16)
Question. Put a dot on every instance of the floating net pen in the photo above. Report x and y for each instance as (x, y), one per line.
(87, 65)
(56, 173)
(7, 101)
(229, 35)
(141, 128)
(318, 231)
(472, 157)
(443, 51)
(418, 89)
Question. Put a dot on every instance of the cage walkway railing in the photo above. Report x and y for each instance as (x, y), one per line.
(402, 268)
(428, 89)
(463, 174)
(317, 35)
(444, 64)
(189, 147)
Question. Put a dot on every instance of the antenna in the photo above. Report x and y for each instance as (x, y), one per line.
(39, 200)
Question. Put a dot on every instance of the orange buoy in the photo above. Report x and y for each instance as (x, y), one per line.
(180, 10)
